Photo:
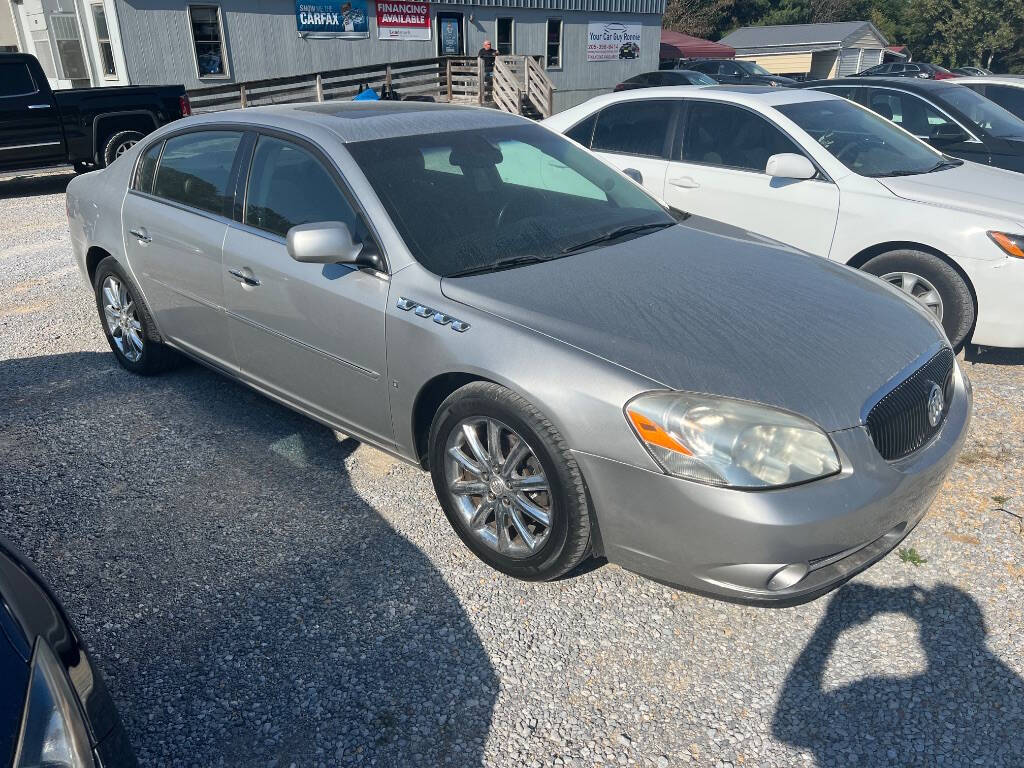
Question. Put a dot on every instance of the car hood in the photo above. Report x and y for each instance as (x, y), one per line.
(969, 187)
(719, 314)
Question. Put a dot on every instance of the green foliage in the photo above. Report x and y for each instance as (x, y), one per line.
(910, 555)
(952, 33)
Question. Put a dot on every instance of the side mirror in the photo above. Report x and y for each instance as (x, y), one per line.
(946, 133)
(323, 242)
(634, 174)
(789, 165)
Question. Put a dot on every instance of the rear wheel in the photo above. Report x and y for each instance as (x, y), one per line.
(127, 322)
(508, 483)
(934, 284)
(118, 144)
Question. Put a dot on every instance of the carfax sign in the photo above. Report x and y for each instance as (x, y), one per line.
(403, 20)
(341, 18)
(613, 40)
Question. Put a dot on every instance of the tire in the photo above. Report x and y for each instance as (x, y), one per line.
(565, 541)
(154, 356)
(119, 143)
(957, 303)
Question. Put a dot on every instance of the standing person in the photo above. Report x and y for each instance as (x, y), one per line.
(487, 53)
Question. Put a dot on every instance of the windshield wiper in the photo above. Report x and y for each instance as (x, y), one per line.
(946, 162)
(615, 234)
(508, 262)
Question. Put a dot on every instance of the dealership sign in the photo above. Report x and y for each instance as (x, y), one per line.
(403, 21)
(341, 18)
(611, 41)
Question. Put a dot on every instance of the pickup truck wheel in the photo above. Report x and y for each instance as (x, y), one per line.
(118, 144)
(508, 483)
(128, 323)
(934, 283)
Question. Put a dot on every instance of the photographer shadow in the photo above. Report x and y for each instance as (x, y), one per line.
(967, 706)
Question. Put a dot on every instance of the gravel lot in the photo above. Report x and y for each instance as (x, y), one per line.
(260, 591)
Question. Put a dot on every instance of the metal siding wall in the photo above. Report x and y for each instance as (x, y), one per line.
(848, 62)
(822, 63)
(262, 42)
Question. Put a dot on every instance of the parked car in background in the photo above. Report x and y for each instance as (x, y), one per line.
(89, 127)
(581, 374)
(953, 119)
(737, 72)
(665, 77)
(831, 178)
(919, 70)
(971, 71)
(54, 706)
(1005, 90)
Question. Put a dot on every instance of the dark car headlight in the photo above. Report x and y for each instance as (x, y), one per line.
(53, 734)
(732, 443)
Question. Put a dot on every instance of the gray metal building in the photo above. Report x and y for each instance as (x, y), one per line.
(214, 42)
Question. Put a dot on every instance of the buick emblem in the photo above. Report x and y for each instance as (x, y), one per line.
(936, 402)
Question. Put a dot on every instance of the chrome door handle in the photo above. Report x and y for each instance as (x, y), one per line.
(38, 106)
(242, 277)
(141, 235)
(684, 182)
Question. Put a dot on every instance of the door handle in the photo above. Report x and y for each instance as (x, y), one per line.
(244, 278)
(684, 182)
(140, 235)
(38, 106)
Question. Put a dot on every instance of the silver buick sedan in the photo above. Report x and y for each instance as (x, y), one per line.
(584, 372)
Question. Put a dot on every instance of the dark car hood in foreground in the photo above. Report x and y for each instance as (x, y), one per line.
(723, 315)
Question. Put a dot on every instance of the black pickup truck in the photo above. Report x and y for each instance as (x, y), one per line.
(88, 127)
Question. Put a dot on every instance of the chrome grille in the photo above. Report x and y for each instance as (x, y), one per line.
(898, 423)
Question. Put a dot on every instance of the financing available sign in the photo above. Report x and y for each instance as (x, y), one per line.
(613, 40)
(403, 21)
(340, 18)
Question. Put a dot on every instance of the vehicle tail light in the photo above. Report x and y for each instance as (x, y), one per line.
(944, 75)
(620, 87)
(185, 106)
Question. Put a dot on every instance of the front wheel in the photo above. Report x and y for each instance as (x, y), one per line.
(508, 483)
(934, 284)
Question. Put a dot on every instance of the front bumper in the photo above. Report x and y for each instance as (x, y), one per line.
(999, 285)
(729, 544)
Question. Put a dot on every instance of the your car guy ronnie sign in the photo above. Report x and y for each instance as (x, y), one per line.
(340, 18)
(608, 41)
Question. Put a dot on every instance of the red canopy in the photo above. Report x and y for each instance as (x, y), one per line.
(676, 45)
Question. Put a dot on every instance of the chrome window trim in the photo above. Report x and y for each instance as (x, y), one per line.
(182, 206)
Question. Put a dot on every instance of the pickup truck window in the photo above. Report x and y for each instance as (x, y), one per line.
(15, 79)
(195, 169)
(146, 171)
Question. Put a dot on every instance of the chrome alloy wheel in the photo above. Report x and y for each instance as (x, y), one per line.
(919, 288)
(123, 147)
(122, 319)
(498, 486)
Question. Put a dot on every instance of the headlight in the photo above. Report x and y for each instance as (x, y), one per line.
(53, 734)
(720, 441)
(1012, 245)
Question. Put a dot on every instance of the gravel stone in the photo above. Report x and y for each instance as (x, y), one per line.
(260, 591)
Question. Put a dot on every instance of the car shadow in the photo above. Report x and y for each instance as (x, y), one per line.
(48, 182)
(993, 356)
(965, 707)
(246, 602)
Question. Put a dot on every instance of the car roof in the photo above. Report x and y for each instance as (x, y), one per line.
(748, 95)
(1014, 80)
(353, 121)
(903, 83)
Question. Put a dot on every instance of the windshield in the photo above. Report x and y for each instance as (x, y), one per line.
(985, 114)
(465, 200)
(864, 142)
(752, 68)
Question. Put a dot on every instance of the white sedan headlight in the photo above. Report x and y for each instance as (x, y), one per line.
(733, 443)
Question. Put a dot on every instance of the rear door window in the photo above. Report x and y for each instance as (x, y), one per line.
(732, 137)
(907, 111)
(1008, 97)
(195, 170)
(583, 131)
(146, 172)
(15, 79)
(288, 186)
(634, 128)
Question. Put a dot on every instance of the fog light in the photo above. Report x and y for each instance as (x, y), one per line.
(788, 576)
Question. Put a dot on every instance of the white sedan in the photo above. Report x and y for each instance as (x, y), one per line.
(827, 176)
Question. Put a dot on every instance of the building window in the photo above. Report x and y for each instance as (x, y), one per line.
(99, 17)
(208, 37)
(69, 48)
(554, 57)
(504, 37)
